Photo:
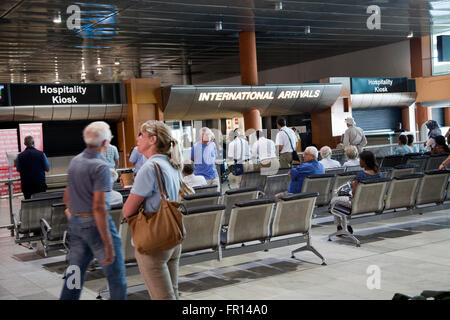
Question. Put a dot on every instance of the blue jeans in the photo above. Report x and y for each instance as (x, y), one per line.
(85, 243)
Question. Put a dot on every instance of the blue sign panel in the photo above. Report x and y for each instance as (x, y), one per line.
(379, 85)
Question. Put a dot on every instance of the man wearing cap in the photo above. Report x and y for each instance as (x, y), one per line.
(354, 136)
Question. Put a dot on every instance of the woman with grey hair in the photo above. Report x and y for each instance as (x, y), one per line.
(352, 155)
(327, 162)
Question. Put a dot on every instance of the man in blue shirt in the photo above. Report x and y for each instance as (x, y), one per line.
(204, 154)
(32, 164)
(308, 167)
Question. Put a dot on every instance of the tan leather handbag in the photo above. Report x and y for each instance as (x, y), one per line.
(153, 232)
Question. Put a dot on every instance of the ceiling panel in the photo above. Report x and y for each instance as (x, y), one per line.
(174, 40)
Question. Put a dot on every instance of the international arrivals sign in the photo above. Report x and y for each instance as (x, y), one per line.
(258, 95)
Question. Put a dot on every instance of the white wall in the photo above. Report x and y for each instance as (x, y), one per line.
(391, 60)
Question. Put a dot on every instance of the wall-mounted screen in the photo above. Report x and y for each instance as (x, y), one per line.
(3, 96)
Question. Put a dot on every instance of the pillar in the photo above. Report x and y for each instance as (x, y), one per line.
(420, 57)
(249, 74)
(144, 103)
(447, 116)
(405, 119)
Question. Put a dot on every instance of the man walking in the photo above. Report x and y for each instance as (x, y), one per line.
(354, 136)
(92, 232)
(286, 142)
(32, 164)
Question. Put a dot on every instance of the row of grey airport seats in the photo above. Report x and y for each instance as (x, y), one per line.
(252, 225)
(415, 193)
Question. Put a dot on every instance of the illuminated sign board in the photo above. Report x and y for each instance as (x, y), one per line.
(257, 95)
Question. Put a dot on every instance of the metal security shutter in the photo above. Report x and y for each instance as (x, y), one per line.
(377, 118)
(438, 114)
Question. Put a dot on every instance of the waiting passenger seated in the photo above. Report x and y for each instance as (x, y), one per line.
(371, 170)
(403, 147)
(113, 197)
(190, 179)
(352, 155)
(298, 174)
(440, 146)
(326, 161)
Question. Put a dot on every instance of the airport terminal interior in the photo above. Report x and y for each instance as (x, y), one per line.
(246, 70)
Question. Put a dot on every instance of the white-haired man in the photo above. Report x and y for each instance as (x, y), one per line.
(326, 161)
(238, 156)
(308, 167)
(204, 154)
(92, 232)
(354, 136)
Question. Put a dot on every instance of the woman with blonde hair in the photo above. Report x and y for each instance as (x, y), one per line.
(160, 269)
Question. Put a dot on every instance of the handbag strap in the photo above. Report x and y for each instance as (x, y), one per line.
(290, 142)
(160, 179)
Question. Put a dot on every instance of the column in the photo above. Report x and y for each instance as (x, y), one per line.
(447, 116)
(249, 74)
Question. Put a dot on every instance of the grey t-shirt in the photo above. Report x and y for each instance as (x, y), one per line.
(88, 172)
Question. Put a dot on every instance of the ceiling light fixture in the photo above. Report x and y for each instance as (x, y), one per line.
(219, 26)
(99, 70)
(307, 30)
(57, 18)
(410, 35)
(279, 5)
(116, 62)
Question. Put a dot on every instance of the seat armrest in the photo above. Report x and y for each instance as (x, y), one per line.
(45, 227)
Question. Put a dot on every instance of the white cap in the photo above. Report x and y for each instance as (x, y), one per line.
(350, 121)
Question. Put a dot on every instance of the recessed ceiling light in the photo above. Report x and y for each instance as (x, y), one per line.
(117, 62)
(307, 30)
(410, 34)
(279, 5)
(218, 25)
(57, 18)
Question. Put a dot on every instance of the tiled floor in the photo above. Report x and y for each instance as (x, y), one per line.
(412, 254)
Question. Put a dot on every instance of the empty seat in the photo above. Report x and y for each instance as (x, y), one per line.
(434, 161)
(116, 214)
(283, 170)
(203, 225)
(410, 155)
(276, 184)
(403, 169)
(206, 188)
(54, 228)
(402, 191)
(368, 197)
(201, 199)
(27, 223)
(432, 187)
(293, 215)
(41, 195)
(249, 220)
(335, 170)
(420, 161)
(127, 247)
(387, 172)
(353, 168)
(320, 183)
(233, 196)
(392, 161)
(56, 181)
(252, 179)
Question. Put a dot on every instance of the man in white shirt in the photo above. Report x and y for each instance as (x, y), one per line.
(263, 152)
(286, 142)
(326, 161)
(190, 179)
(354, 136)
(238, 156)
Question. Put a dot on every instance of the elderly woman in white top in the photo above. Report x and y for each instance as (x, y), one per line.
(327, 162)
(352, 155)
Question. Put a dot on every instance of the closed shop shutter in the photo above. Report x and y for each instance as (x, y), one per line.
(377, 118)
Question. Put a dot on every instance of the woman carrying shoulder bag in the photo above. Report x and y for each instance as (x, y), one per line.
(158, 268)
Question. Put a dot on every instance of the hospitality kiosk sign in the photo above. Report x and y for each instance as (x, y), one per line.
(379, 85)
(50, 94)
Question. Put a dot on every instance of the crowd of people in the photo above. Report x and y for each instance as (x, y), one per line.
(91, 174)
